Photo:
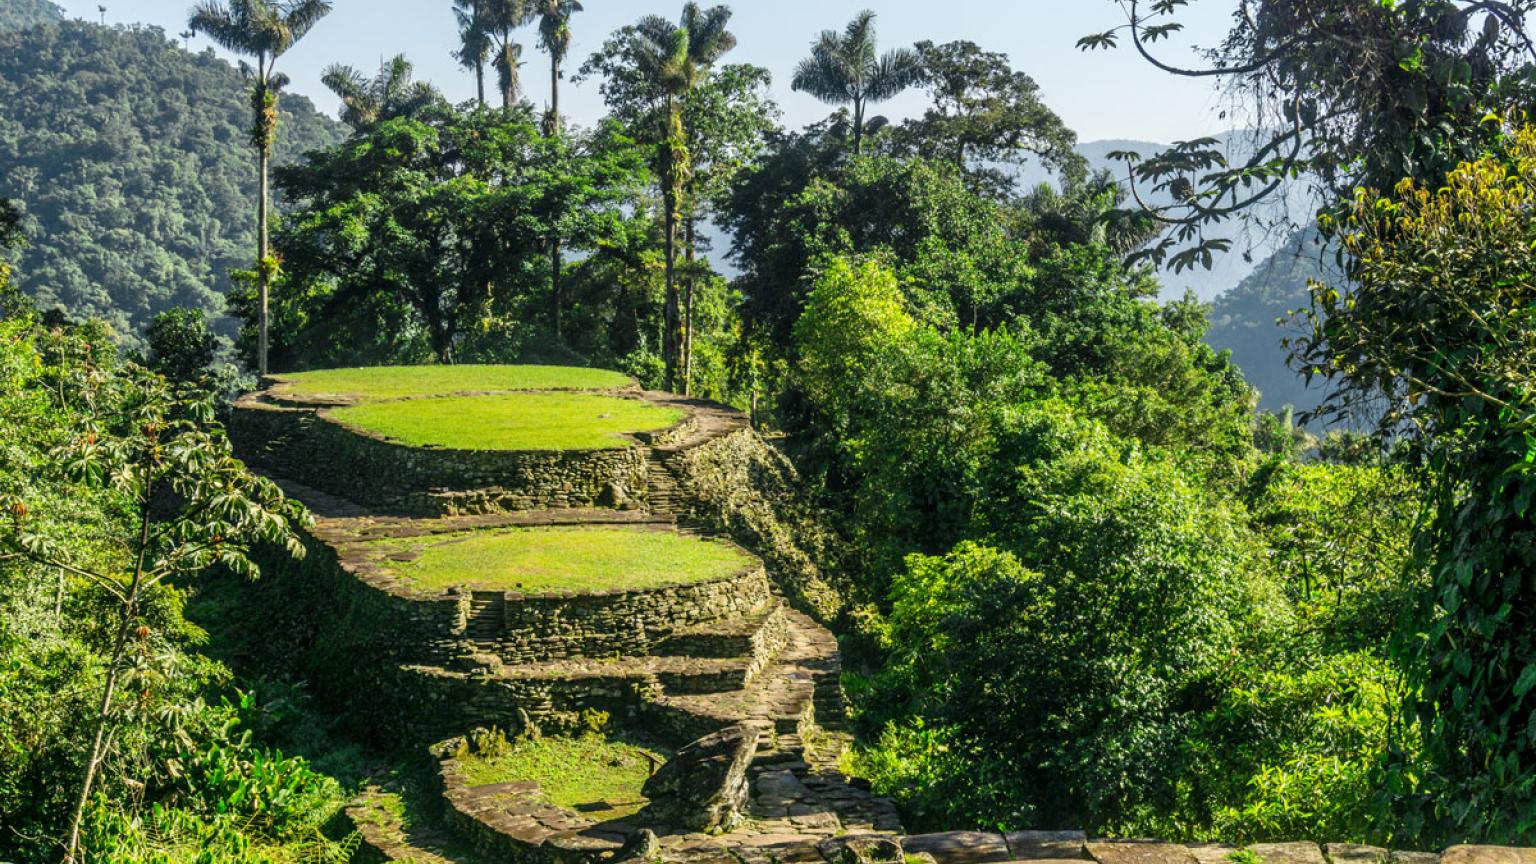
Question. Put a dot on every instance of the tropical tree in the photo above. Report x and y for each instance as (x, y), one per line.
(391, 93)
(651, 69)
(847, 69)
(501, 17)
(986, 115)
(555, 38)
(1435, 331)
(474, 42)
(263, 30)
(190, 506)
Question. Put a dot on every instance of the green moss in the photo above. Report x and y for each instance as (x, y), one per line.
(594, 775)
(393, 382)
(511, 421)
(539, 560)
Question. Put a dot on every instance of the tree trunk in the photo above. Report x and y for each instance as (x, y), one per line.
(263, 271)
(670, 342)
(671, 203)
(555, 264)
(691, 253)
(858, 127)
(554, 94)
(509, 84)
(98, 743)
(129, 608)
(480, 82)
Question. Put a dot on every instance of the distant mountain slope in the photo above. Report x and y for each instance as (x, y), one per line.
(1244, 319)
(1250, 292)
(16, 14)
(130, 159)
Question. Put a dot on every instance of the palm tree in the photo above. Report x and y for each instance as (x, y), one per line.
(262, 30)
(500, 18)
(847, 69)
(474, 42)
(555, 38)
(509, 74)
(675, 58)
(391, 93)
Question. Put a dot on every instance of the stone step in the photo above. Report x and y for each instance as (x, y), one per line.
(755, 635)
(783, 697)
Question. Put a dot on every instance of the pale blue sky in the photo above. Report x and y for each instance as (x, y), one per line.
(1101, 95)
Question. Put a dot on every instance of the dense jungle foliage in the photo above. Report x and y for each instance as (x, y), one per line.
(129, 156)
(1090, 583)
(19, 14)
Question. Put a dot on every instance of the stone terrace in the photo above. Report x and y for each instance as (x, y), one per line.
(673, 663)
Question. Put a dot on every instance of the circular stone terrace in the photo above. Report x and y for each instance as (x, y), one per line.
(446, 440)
(555, 560)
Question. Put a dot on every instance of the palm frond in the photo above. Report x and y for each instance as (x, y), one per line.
(220, 22)
(299, 16)
(896, 71)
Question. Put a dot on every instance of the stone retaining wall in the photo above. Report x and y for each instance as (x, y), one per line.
(605, 623)
(302, 445)
(426, 703)
(534, 628)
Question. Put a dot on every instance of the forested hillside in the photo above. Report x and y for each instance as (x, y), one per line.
(1246, 320)
(130, 158)
(16, 14)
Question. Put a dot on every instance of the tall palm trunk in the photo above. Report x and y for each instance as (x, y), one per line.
(554, 93)
(264, 103)
(480, 82)
(858, 127)
(673, 154)
(672, 346)
(691, 253)
(556, 260)
(556, 263)
(262, 253)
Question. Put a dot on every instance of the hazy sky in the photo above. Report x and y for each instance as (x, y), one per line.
(1100, 94)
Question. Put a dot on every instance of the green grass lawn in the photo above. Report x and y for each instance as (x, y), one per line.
(511, 421)
(540, 560)
(393, 382)
(597, 776)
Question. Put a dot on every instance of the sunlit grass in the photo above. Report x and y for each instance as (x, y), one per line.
(393, 382)
(594, 775)
(539, 560)
(511, 421)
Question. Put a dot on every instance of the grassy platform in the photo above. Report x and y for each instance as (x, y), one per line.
(511, 421)
(541, 560)
(393, 382)
(596, 776)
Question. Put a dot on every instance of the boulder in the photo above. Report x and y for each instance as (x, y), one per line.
(704, 787)
(865, 849)
(641, 846)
